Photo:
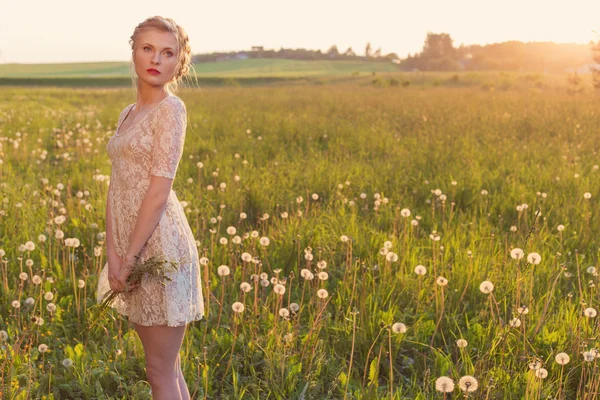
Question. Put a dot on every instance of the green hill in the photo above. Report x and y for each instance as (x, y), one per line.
(250, 68)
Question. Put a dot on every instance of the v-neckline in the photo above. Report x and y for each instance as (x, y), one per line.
(117, 133)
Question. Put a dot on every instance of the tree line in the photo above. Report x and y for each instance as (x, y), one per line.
(439, 54)
(299, 54)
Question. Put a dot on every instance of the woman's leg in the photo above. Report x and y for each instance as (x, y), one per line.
(185, 393)
(161, 347)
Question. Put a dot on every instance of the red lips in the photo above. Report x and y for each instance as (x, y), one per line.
(153, 71)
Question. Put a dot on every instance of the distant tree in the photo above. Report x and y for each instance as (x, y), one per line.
(377, 53)
(368, 50)
(438, 45)
(574, 81)
(333, 51)
(595, 68)
(349, 52)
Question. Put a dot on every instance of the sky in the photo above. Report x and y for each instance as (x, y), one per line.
(84, 31)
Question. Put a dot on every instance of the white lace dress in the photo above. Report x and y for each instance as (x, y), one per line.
(153, 146)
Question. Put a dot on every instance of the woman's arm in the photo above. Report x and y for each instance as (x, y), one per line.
(153, 206)
(110, 245)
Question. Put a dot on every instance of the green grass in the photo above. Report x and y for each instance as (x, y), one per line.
(462, 155)
(251, 68)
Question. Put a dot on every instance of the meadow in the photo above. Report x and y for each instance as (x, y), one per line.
(363, 239)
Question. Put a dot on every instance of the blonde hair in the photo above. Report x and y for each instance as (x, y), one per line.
(184, 55)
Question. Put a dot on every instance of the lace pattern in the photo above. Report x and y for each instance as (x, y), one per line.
(153, 146)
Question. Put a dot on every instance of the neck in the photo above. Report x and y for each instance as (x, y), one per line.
(150, 95)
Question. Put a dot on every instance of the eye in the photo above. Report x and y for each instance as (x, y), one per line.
(146, 47)
(171, 54)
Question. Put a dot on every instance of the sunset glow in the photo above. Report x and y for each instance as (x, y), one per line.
(65, 31)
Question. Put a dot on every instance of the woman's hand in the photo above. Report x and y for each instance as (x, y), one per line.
(118, 272)
(114, 268)
(126, 270)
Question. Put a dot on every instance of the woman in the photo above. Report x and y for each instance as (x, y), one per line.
(143, 215)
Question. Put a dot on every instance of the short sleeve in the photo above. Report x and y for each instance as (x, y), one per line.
(168, 136)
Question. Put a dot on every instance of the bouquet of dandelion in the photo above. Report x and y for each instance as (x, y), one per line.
(153, 267)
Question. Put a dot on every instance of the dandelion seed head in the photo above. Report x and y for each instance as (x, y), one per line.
(279, 288)
(223, 270)
(591, 270)
(588, 356)
(523, 310)
(444, 384)
(534, 258)
(562, 358)
(420, 270)
(399, 327)
(237, 307)
(245, 287)
(590, 312)
(515, 322)
(541, 373)
(391, 256)
(204, 261)
(468, 383)
(517, 253)
(486, 287)
(441, 281)
(284, 312)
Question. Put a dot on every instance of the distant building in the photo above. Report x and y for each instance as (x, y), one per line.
(242, 55)
(257, 48)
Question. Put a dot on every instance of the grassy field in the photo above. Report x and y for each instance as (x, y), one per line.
(251, 68)
(397, 215)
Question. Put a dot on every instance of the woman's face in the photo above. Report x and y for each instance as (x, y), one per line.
(157, 50)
